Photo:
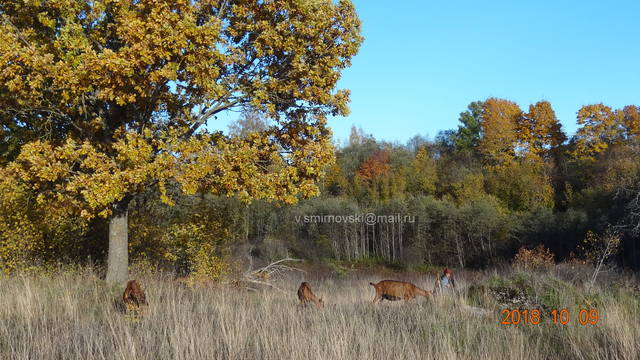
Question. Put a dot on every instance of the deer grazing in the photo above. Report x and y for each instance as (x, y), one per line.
(397, 290)
(133, 296)
(306, 295)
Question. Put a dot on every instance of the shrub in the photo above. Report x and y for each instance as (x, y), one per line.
(538, 258)
(595, 248)
(206, 264)
(198, 248)
(32, 233)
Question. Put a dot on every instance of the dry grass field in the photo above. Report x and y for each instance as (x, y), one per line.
(74, 315)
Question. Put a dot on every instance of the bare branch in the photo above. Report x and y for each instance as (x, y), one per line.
(275, 268)
(206, 114)
(263, 275)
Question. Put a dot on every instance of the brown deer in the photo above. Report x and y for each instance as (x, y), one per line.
(306, 295)
(397, 290)
(133, 296)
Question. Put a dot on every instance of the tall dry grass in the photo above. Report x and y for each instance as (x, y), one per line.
(76, 316)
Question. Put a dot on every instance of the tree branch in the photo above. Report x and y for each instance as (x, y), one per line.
(206, 114)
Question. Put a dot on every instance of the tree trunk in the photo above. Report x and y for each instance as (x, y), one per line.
(386, 236)
(246, 223)
(460, 250)
(346, 238)
(393, 241)
(373, 240)
(367, 240)
(356, 247)
(118, 257)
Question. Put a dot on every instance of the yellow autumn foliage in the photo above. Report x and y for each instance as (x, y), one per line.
(521, 185)
(107, 99)
(198, 248)
(469, 188)
(499, 127)
(18, 235)
(538, 258)
(600, 127)
(31, 234)
(598, 247)
(539, 131)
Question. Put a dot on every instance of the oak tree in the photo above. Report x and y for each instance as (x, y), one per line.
(102, 99)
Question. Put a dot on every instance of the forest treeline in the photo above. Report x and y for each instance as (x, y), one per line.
(505, 178)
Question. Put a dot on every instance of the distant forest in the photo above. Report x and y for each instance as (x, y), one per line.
(506, 178)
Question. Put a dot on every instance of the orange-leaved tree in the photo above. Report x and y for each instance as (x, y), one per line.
(499, 131)
(601, 126)
(540, 130)
(375, 166)
(101, 99)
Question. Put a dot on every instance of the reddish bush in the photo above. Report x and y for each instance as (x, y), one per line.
(537, 258)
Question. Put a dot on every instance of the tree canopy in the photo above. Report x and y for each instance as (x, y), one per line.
(102, 99)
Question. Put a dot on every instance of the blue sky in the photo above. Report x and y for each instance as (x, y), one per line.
(423, 62)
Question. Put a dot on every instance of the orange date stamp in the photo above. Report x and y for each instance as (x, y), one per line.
(534, 316)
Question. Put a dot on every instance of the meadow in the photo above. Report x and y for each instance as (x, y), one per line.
(75, 315)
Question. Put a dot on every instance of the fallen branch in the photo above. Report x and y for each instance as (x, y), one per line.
(262, 275)
(273, 269)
